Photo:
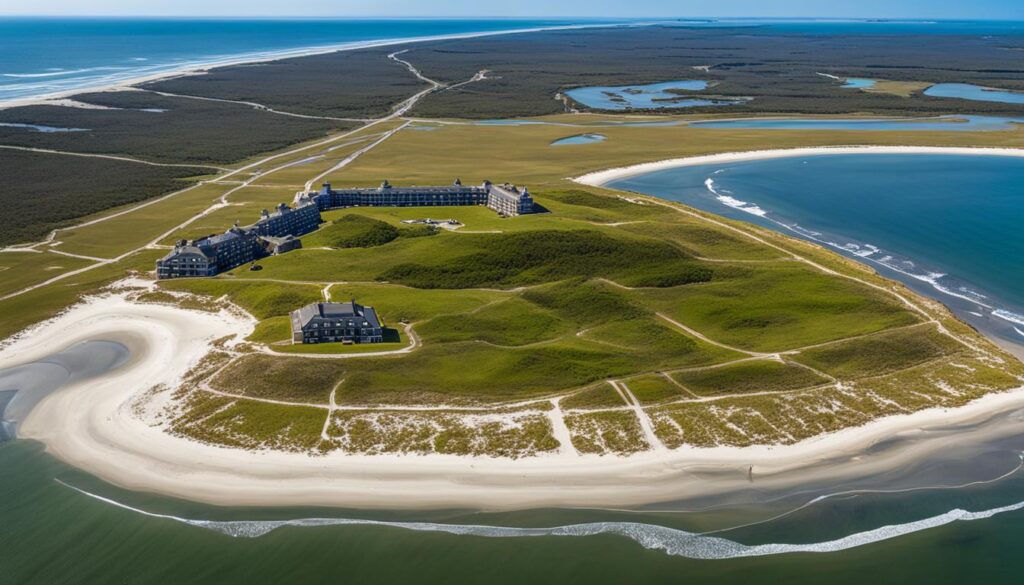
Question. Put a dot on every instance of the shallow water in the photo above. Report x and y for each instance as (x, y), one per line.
(951, 511)
(858, 83)
(951, 516)
(967, 91)
(580, 139)
(582, 124)
(645, 97)
(947, 225)
(22, 387)
(938, 124)
(38, 128)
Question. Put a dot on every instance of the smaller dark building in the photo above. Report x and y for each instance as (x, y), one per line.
(333, 322)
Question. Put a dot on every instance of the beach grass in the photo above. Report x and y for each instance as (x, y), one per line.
(747, 376)
(545, 306)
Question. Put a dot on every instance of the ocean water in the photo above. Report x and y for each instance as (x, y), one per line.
(947, 225)
(957, 518)
(41, 56)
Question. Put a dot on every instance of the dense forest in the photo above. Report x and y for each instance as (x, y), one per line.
(52, 190)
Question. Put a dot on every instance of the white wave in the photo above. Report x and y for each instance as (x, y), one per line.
(670, 540)
(725, 198)
(58, 72)
(1021, 333)
(861, 250)
(975, 313)
(1008, 316)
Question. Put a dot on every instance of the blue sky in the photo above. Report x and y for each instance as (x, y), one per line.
(978, 9)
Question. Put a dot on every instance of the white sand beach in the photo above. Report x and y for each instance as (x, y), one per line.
(93, 425)
(603, 177)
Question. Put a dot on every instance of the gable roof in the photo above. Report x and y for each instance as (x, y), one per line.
(340, 311)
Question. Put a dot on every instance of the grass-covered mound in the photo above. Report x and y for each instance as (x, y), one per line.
(752, 376)
(585, 302)
(654, 388)
(508, 323)
(357, 231)
(263, 300)
(547, 255)
(780, 306)
(877, 354)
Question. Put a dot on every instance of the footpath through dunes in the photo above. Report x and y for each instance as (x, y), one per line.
(630, 325)
(612, 325)
(205, 443)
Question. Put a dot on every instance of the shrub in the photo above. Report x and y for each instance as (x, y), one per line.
(357, 231)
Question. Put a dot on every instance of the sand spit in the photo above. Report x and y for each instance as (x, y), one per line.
(93, 426)
(600, 178)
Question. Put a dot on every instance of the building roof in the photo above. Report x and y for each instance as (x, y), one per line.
(341, 311)
(184, 249)
(509, 191)
(229, 235)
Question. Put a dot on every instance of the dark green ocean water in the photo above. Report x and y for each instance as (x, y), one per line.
(54, 534)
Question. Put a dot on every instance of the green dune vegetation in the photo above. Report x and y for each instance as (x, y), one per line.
(611, 323)
(601, 317)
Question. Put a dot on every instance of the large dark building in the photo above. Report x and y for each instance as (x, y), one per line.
(505, 199)
(332, 322)
(286, 221)
(274, 233)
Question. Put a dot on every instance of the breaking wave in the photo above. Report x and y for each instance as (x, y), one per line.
(672, 541)
(61, 72)
(940, 281)
(1009, 316)
(726, 198)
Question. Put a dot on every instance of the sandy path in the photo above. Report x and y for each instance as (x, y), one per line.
(93, 425)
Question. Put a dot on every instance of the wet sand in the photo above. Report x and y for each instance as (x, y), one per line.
(92, 425)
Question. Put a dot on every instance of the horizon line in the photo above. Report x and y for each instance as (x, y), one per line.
(879, 19)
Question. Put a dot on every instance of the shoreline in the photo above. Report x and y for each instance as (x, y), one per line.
(951, 300)
(93, 426)
(602, 177)
(202, 67)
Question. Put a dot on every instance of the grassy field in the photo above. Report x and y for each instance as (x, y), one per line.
(576, 307)
(752, 376)
(516, 315)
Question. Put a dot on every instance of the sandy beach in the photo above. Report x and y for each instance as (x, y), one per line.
(600, 178)
(92, 425)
